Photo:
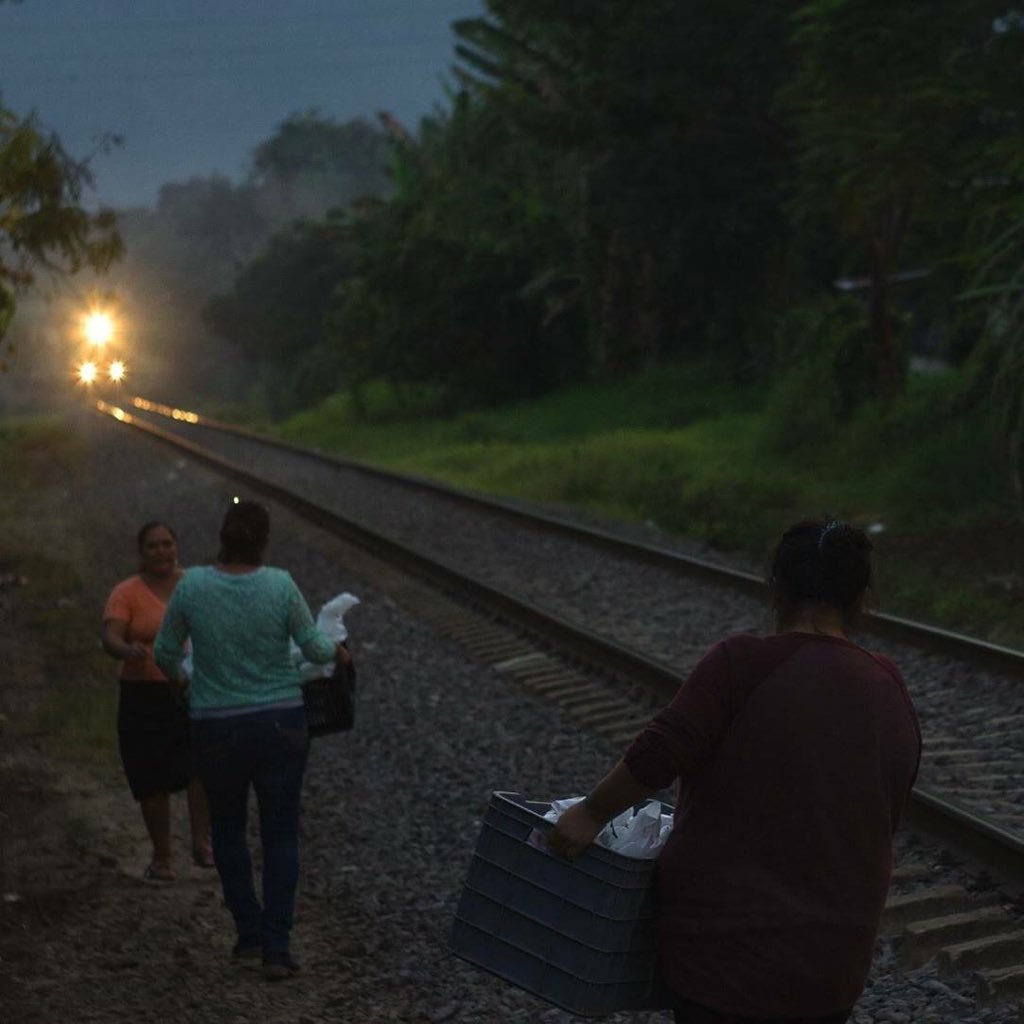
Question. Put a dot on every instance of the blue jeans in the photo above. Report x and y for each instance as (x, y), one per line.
(267, 750)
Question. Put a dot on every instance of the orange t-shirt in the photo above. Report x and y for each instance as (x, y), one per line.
(133, 602)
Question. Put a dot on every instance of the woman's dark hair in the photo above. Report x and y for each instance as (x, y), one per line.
(140, 537)
(244, 533)
(821, 562)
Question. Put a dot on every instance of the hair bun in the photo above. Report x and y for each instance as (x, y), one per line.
(823, 562)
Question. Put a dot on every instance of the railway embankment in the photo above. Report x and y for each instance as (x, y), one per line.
(391, 810)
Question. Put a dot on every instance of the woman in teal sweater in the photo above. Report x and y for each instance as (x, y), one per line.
(248, 720)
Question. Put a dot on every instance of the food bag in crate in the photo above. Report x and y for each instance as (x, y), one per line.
(579, 934)
(328, 691)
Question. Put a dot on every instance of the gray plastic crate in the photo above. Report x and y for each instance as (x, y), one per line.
(580, 935)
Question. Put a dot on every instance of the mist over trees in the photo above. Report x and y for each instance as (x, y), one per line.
(203, 232)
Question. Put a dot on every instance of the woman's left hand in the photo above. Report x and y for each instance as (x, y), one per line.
(574, 831)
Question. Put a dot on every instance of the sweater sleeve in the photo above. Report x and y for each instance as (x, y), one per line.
(170, 641)
(314, 644)
(681, 737)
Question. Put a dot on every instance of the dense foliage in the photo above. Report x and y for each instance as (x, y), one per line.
(612, 185)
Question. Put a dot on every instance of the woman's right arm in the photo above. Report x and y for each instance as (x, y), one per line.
(117, 614)
(315, 646)
(577, 828)
(673, 745)
(170, 641)
(113, 638)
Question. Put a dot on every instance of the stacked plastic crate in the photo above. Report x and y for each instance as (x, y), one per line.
(581, 935)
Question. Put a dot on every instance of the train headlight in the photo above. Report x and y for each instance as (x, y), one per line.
(87, 373)
(116, 370)
(98, 328)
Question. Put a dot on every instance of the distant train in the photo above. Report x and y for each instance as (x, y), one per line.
(100, 337)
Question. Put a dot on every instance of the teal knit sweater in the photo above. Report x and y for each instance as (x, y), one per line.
(240, 626)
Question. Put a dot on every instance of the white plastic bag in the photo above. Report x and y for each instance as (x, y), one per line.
(186, 661)
(639, 835)
(331, 622)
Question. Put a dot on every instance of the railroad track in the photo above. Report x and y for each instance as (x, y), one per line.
(969, 798)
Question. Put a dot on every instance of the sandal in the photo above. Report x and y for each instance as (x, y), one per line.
(157, 872)
(202, 857)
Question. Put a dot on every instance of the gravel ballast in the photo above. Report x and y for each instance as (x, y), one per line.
(391, 813)
(972, 717)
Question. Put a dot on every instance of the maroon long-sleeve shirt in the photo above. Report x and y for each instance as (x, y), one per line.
(796, 753)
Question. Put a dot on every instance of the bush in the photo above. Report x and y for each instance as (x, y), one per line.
(823, 374)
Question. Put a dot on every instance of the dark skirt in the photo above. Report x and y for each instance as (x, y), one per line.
(153, 737)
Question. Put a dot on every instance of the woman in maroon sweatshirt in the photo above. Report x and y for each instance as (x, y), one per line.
(796, 754)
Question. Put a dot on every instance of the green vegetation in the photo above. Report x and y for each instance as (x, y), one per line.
(34, 449)
(79, 715)
(76, 714)
(668, 448)
(671, 261)
(796, 196)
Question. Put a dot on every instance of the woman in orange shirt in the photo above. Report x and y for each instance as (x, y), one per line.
(152, 716)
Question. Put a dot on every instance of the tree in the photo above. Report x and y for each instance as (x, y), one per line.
(276, 313)
(995, 295)
(446, 288)
(211, 227)
(667, 108)
(888, 108)
(43, 225)
(312, 163)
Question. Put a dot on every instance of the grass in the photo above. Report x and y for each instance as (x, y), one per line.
(73, 705)
(702, 459)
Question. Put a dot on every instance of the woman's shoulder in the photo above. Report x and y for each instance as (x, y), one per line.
(128, 586)
(886, 663)
(742, 643)
(754, 653)
(193, 576)
(277, 576)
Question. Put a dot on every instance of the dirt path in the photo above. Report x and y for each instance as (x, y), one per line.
(82, 936)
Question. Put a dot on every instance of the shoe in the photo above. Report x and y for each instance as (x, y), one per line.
(159, 872)
(247, 950)
(279, 966)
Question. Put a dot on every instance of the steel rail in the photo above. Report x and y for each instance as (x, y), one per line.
(969, 833)
(589, 646)
(932, 639)
(929, 810)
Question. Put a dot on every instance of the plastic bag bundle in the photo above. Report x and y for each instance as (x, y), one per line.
(331, 622)
(639, 834)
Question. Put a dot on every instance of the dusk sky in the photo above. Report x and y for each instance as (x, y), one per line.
(195, 85)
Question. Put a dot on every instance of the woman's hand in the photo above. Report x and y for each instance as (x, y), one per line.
(134, 652)
(341, 653)
(574, 831)
(115, 642)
